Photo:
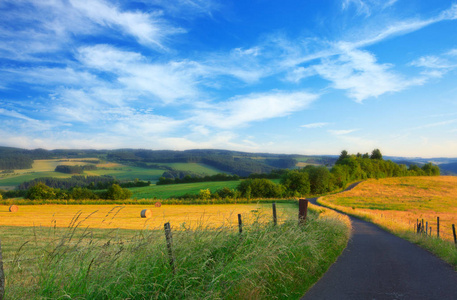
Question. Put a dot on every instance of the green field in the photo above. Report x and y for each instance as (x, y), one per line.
(194, 167)
(175, 190)
(45, 168)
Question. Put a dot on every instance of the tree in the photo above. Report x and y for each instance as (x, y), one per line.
(319, 178)
(259, 187)
(431, 169)
(296, 183)
(40, 191)
(344, 154)
(204, 194)
(115, 192)
(376, 154)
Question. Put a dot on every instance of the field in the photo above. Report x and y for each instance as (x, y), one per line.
(74, 261)
(128, 216)
(169, 190)
(45, 168)
(404, 200)
(396, 204)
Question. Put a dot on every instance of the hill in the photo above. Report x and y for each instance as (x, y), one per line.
(21, 165)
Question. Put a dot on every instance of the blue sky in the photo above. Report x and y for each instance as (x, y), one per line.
(305, 77)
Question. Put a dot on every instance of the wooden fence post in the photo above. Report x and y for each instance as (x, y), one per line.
(302, 210)
(2, 275)
(422, 227)
(275, 219)
(453, 231)
(426, 228)
(438, 226)
(240, 224)
(169, 238)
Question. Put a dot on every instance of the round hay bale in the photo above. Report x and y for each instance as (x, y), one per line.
(158, 204)
(146, 213)
(13, 208)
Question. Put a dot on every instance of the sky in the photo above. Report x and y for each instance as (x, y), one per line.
(296, 77)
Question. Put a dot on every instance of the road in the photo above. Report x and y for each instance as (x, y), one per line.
(377, 265)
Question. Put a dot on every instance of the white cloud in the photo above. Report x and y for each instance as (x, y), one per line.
(341, 131)
(358, 72)
(242, 110)
(315, 125)
(147, 28)
(14, 114)
(168, 81)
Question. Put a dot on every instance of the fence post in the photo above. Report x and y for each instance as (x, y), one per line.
(275, 219)
(240, 223)
(169, 238)
(453, 231)
(422, 227)
(438, 226)
(426, 228)
(302, 210)
(2, 275)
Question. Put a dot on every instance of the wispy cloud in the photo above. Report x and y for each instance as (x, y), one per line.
(358, 72)
(148, 28)
(341, 131)
(242, 110)
(315, 125)
(436, 124)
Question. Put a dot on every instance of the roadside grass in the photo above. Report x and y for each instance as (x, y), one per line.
(264, 262)
(396, 204)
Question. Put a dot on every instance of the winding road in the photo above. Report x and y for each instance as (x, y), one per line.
(377, 265)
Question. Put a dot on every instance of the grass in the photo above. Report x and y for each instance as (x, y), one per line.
(45, 168)
(264, 262)
(396, 203)
(176, 190)
(198, 168)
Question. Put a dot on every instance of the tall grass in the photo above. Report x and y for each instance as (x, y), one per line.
(264, 262)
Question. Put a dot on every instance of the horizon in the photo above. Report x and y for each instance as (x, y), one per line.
(306, 78)
(214, 149)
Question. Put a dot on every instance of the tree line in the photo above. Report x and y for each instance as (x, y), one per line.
(319, 179)
(41, 191)
(89, 182)
(191, 179)
(74, 169)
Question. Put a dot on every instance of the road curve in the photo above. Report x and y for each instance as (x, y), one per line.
(377, 265)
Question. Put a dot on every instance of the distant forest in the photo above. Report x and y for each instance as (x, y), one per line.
(238, 163)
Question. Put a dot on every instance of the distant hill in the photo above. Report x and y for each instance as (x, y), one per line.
(234, 162)
(448, 166)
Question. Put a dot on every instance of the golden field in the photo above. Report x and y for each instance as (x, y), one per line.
(398, 202)
(128, 216)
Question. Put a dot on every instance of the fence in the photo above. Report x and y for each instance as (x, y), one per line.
(302, 214)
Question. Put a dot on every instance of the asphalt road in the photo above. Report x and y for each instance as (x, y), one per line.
(377, 265)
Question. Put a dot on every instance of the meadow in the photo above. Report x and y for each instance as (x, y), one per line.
(397, 203)
(211, 259)
(176, 190)
(46, 167)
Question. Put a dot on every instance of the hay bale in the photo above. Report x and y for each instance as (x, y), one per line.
(158, 204)
(13, 208)
(146, 213)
